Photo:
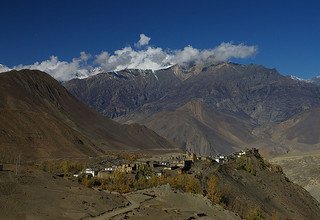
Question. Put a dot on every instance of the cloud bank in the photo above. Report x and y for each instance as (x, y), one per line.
(141, 56)
(4, 68)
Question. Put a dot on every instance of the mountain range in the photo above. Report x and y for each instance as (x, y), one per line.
(206, 109)
(210, 108)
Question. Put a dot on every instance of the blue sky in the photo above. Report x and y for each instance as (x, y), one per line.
(287, 33)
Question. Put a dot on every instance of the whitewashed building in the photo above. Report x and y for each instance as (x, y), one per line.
(89, 171)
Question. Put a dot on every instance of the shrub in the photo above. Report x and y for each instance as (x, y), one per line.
(120, 183)
(255, 214)
(177, 182)
(274, 216)
(87, 182)
(143, 171)
(67, 167)
(276, 168)
(244, 163)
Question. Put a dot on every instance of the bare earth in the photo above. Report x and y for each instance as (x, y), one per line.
(302, 169)
(164, 203)
(38, 195)
(34, 194)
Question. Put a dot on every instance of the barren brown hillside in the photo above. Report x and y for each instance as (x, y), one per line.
(201, 129)
(248, 183)
(39, 118)
(301, 130)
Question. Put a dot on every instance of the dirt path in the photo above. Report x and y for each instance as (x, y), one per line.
(134, 204)
(164, 203)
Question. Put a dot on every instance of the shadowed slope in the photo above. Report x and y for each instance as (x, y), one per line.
(40, 118)
(200, 129)
(300, 131)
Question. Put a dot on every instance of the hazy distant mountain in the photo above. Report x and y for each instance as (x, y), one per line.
(236, 100)
(40, 118)
(300, 130)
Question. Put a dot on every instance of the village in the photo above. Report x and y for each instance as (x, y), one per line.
(164, 165)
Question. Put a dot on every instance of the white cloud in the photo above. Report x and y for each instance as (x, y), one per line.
(84, 56)
(155, 58)
(187, 54)
(226, 51)
(223, 52)
(144, 40)
(4, 68)
(148, 57)
(62, 70)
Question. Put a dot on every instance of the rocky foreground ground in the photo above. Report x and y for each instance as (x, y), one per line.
(165, 203)
(247, 185)
(33, 194)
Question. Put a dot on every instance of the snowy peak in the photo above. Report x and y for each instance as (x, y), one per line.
(4, 68)
(315, 80)
(298, 79)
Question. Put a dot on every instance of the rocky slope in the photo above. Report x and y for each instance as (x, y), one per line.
(40, 118)
(202, 130)
(247, 97)
(250, 183)
(302, 129)
(118, 93)
(302, 169)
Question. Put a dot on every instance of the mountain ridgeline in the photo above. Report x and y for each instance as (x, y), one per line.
(208, 108)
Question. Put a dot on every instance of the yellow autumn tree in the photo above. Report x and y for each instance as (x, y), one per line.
(192, 184)
(121, 182)
(212, 190)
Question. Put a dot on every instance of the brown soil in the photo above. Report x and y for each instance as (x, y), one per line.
(164, 203)
(200, 129)
(302, 169)
(40, 118)
(33, 194)
(252, 183)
